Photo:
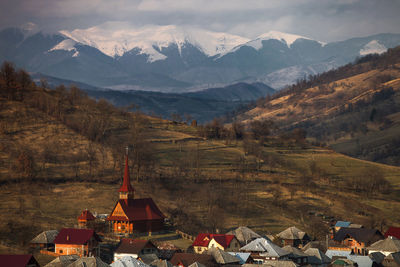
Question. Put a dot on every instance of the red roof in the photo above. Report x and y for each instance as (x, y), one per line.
(86, 216)
(126, 184)
(75, 236)
(17, 260)
(142, 209)
(393, 231)
(203, 239)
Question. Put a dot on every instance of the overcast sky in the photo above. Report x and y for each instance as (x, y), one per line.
(323, 20)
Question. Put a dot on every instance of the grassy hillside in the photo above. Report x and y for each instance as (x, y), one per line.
(62, 152)
(354, 109)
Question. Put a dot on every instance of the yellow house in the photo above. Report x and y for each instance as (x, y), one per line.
(204, 241)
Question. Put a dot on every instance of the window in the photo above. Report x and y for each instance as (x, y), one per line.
(60, 251)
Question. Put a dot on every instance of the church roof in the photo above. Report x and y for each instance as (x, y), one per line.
(137, 210)
(126, 184)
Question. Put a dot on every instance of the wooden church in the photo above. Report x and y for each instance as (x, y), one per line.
(131, 215)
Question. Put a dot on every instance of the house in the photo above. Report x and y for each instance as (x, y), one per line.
(244, 235)
(161, 263)
(296, 255)
(186, 259)
(204, 241)
(85, 218)
(82, 242)
(131, 215)
(294, 237)
(393, 231)
(357, 238)
(222, 257)
(317, 258)
(135, 248)
(18, 260)
(45, 240)
(62, 261)
(262, 249)
(272, 263)
(386, 246)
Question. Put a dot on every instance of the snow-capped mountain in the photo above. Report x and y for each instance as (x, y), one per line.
(178, 59)
(116, 38)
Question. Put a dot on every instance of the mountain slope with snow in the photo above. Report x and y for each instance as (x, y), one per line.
(116, 38)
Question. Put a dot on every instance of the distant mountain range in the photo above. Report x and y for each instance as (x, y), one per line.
(178, 59)
(201, 105)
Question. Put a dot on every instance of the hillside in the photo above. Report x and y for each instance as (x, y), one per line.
(354, 109)
(62, 152)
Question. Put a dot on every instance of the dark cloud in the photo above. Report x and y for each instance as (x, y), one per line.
(325, 20)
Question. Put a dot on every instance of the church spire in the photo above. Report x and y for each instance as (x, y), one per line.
(126, 190)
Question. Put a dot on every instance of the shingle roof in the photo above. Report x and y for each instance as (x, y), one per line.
(316, 256)
(360, 234)
(128, 261)
(203, 239)
(294, 251)
(197, 264)
(242, 256)
(342, 224)
(16, 260)
(188, 258)
(292, 233)
(390, 244)
(393, 231)
(133, 246)
(141, 209)
(266, 247)
(244, 234)
(75, 236)
(221, 256)
(46, 237)
(62, 261)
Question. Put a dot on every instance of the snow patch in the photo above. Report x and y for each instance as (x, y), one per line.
(373, 47)
(67, 45)
(116, 38)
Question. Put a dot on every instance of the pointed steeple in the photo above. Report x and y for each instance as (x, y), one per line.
(126, 190)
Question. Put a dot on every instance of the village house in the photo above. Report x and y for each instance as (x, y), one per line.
(262, 249)
(135, 248)
(387, 246)
(317, 258)
(244, 235)
(82, 242)
(63, 260)
(357, 239)
(204, 241)
(294, 237)
(86, 218)
(296, 255)
(45, 240)
(131, 215)
(18, 261)
(223, 257)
